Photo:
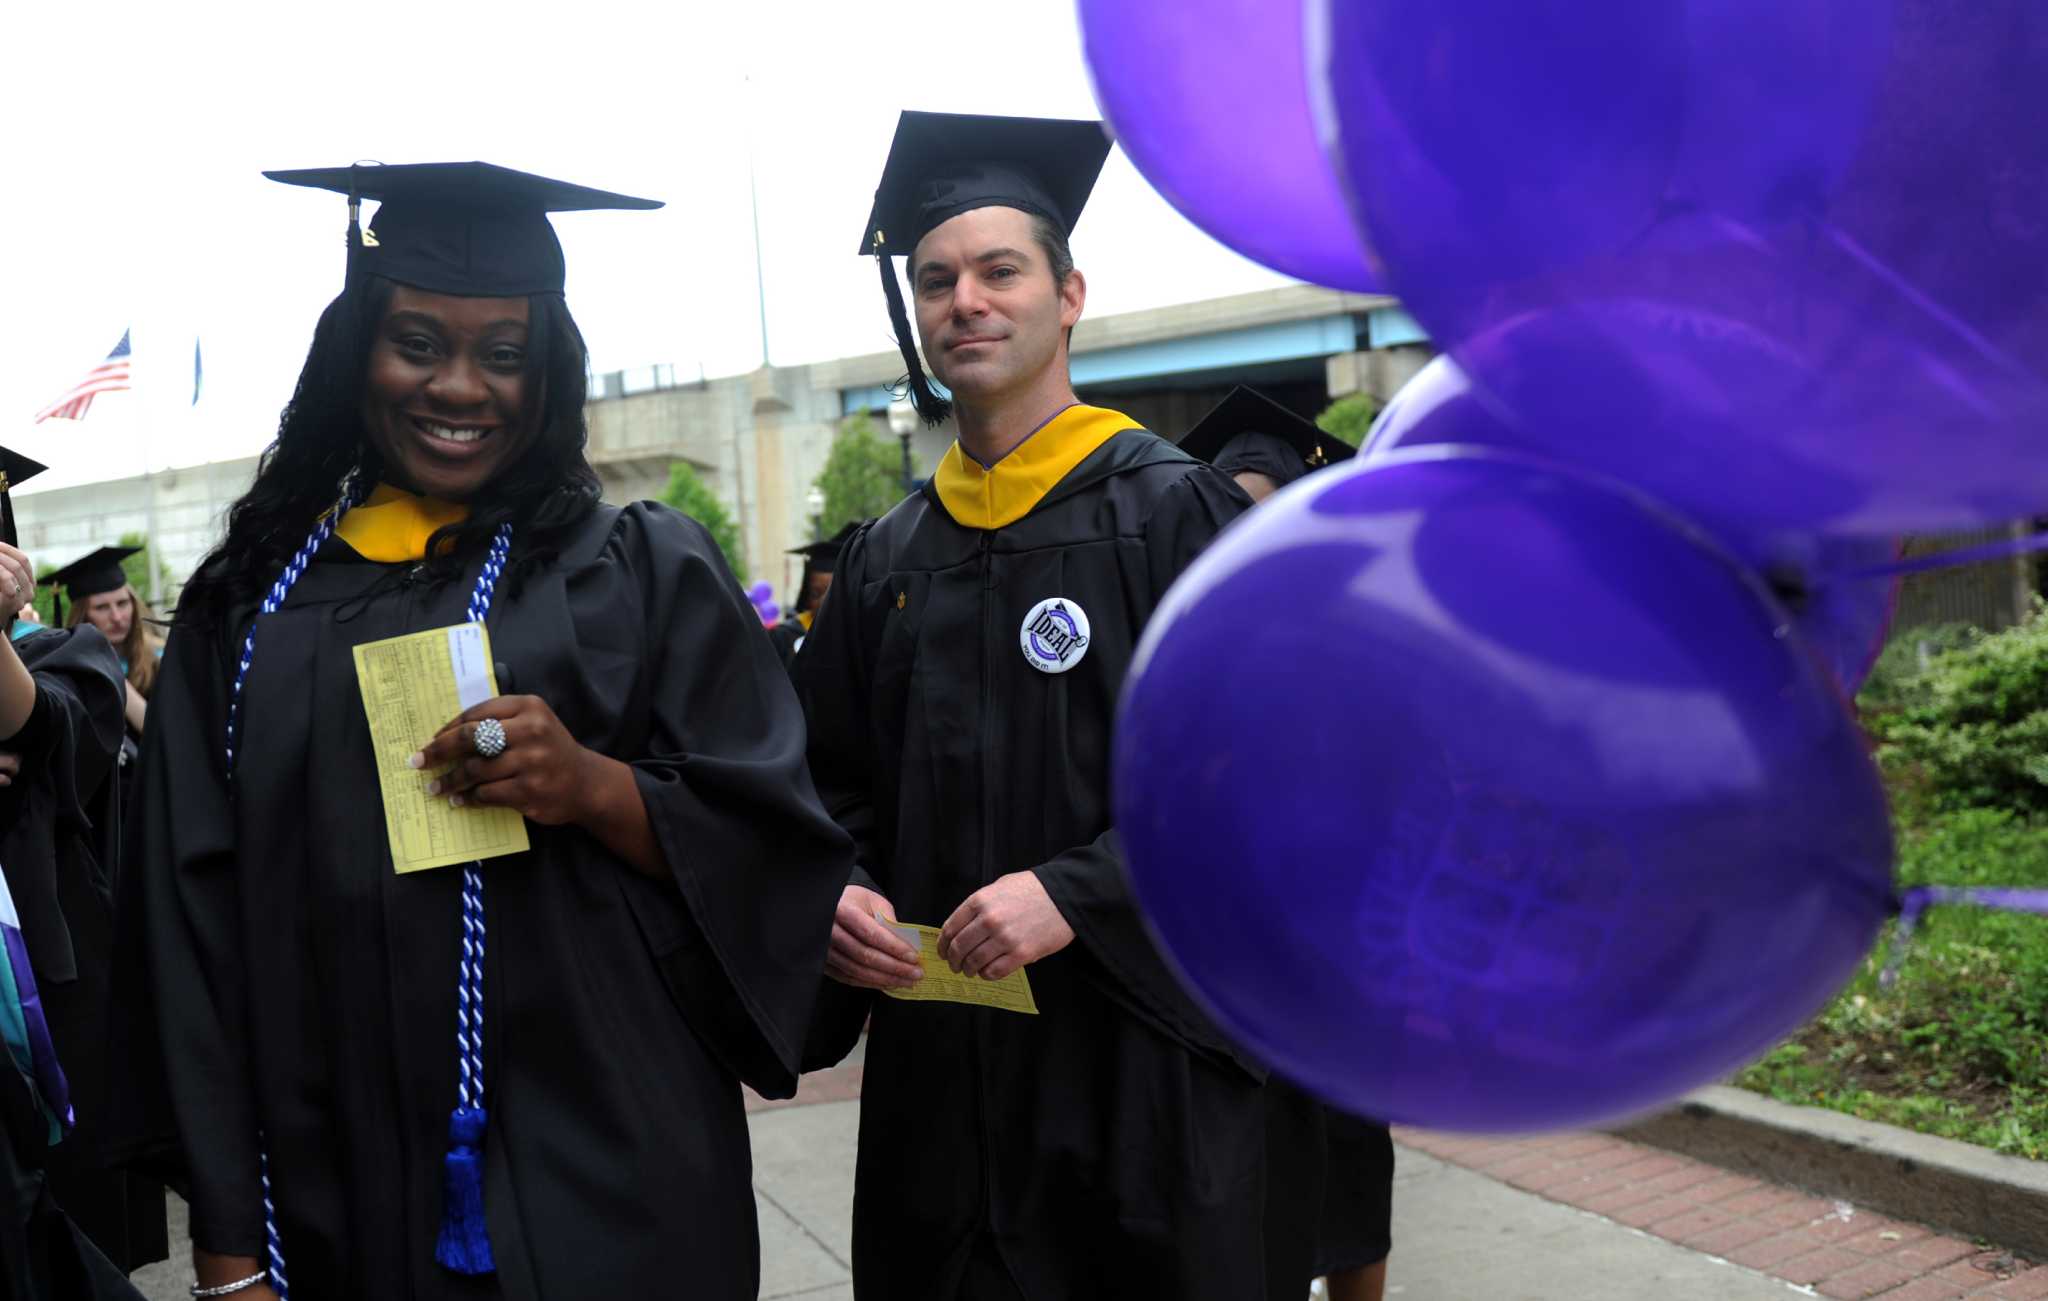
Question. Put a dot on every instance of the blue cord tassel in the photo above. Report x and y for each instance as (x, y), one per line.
(465, 1242)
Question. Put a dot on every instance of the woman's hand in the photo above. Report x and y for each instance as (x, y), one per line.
(543, 773)
(547, 775)
(17, 580)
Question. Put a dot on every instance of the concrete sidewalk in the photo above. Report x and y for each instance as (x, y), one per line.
(1559, 1218)
(1457, 1234)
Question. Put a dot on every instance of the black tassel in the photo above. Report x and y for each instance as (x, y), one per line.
(358, 241)
(930, 406)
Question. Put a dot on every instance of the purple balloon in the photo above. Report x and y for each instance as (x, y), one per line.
(1843, 617)
(1842, 620)
(1802, 243)
(1210, 100)
(1560, 827)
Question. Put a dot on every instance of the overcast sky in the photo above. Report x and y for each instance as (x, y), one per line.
(137, 136)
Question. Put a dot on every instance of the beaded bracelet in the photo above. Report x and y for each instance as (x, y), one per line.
(224, 1289)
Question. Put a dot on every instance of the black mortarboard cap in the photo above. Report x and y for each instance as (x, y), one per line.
(1249, 431)
(474, 230)
(89, 575)
(943, 164)
(92, 574)
(820, 557)
(15, 470)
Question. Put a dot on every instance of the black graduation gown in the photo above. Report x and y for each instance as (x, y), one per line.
(43, 1255)
(786, 636)
(57, 838)
(308, 992)
(1329, 1205)
(1358, 1191)
(1114, 1144)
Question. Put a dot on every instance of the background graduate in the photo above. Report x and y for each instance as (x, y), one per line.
(1330, 1175)
(961, 683)
(820, 558)
(1260, 444)
(70, 1227)
(101, 595)
(659, 943)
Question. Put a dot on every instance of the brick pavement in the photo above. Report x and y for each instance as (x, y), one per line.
(1832, 1247)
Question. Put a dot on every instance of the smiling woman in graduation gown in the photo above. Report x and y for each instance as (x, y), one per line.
(308, 993)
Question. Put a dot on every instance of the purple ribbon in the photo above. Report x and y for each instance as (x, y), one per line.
(1999, 550)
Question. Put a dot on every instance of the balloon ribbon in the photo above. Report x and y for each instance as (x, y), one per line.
(2000, 550)
(1920, 898)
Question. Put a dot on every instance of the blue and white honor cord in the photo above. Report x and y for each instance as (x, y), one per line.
(464, 1245)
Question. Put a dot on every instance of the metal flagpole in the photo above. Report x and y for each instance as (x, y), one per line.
(152, 553)
(754, 202)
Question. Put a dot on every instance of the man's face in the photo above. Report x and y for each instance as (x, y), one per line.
(814, 594)
(988, 313)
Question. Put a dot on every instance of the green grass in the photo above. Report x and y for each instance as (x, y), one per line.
(1959, 1046)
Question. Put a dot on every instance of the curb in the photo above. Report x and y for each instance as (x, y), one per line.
(1963, 1189)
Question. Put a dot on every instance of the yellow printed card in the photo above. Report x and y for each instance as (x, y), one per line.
(411, 685)
(941, 984)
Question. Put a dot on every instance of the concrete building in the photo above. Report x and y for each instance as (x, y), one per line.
(759, 440)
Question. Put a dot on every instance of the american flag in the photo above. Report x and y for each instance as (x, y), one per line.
(110, 376)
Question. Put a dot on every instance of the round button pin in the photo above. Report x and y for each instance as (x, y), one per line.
(1054, 637)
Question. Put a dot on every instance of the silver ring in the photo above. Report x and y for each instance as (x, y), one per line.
(488, 739)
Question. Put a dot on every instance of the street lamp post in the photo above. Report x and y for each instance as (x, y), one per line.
(816, 501)
(903, 423)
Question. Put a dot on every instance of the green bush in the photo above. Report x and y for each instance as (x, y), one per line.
(688, 493)
(1959, 1046)
(1971, 728)
(1906, 656)
(862, 478)
(1350, 418)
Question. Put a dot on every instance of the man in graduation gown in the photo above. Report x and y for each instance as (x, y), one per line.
(1330, 1174)
(960, 687)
